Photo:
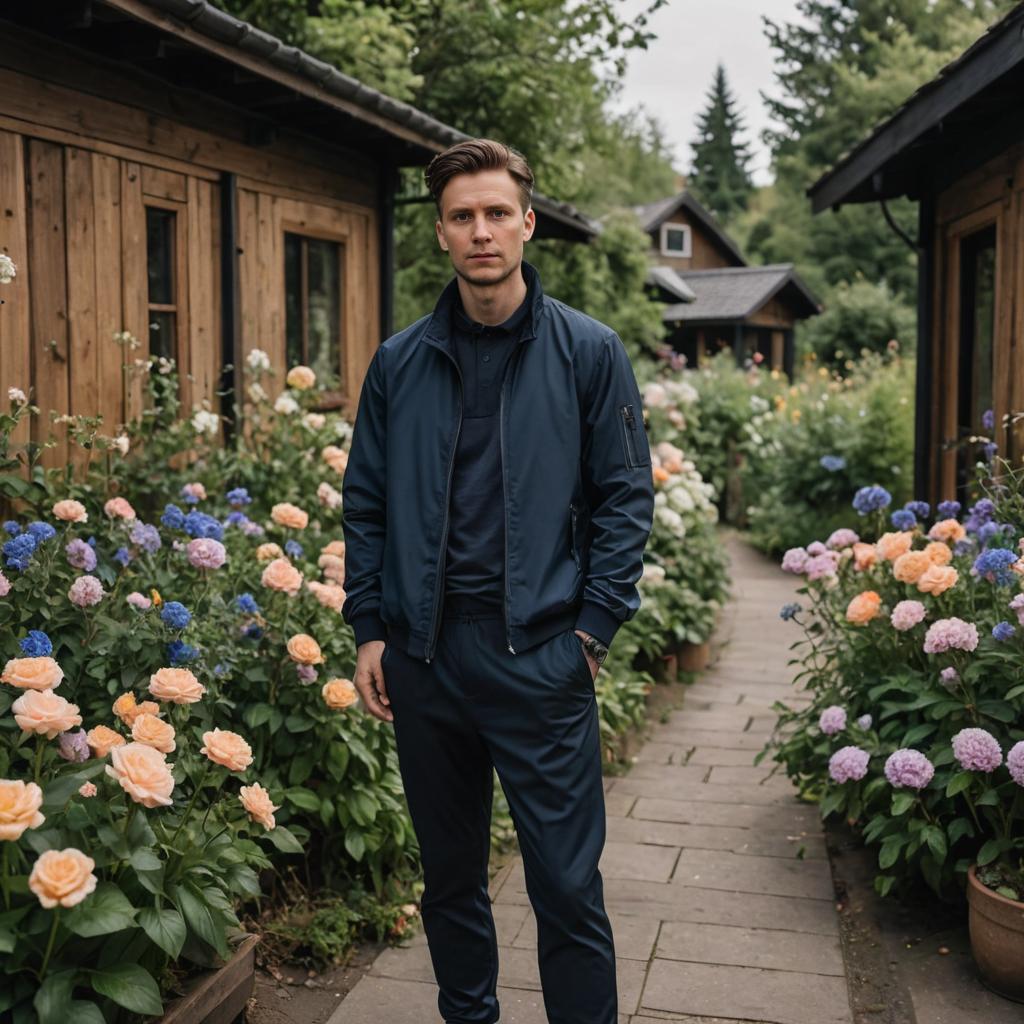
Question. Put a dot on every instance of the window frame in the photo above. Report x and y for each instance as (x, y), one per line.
(687, 251)
(179, 283)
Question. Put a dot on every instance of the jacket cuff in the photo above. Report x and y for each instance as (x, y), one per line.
(368, 626)
(596, 620)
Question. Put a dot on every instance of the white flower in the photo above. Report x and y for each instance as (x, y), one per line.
(17, 395)
(205, 422)
(256, 393)
(8, 270)
(328, 496)
(759, 404)
(121, 443)
(680, 499)
(164, 365)
(654, 395)
(128, 339)
(670, 518)
(142, 365)
(258, 360)
(286, 405)
(653, 575)
(314, 420)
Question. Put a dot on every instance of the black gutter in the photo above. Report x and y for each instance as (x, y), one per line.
(389, 188)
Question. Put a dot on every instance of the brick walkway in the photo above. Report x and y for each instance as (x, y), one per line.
(715, 878)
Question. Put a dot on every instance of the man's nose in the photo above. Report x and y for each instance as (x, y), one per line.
(481, 229)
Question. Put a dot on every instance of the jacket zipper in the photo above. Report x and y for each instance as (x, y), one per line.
(429, 652)
(504, 496)
(629, 435)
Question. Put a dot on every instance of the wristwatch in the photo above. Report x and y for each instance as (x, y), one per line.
(597, 650)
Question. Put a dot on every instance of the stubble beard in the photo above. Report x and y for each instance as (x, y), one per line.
(490, 282)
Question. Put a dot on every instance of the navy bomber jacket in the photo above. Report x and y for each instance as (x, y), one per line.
(576, 468)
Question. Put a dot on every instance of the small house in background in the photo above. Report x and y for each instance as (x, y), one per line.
(713, 299)
(173, 172)
(957, 147)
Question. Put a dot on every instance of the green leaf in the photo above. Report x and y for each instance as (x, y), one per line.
(304, 799)
(106, 911)
(902, 802)
(958, 829)
(355, 844)
(936, 840)
(257, 714)
(889, 853)
(53, 1000)
(1017, 691)
(997, 709)
(959, 782)
(130, 986)
(85, 1013)
(145, 859)
(883, 883)
(990, 851)
(165, 927)
(918, 733)
(193, 905)
(284, 840)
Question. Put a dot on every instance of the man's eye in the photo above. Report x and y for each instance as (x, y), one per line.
(500, 213)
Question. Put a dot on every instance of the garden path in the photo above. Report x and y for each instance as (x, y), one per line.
(715, 877)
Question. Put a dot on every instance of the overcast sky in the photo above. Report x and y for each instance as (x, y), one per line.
(671, 78)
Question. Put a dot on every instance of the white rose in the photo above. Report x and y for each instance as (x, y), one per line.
(670, 518)
(8, 271)
(205, 422)
(653, 575)
(122, 444)
(286, 405)
(314, 420)
(256, 393)
(654, 395)
(257, 359)
(17, 395)
(328, 496)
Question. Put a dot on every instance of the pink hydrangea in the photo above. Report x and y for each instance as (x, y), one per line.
(86, 591)
(206, 553)
(905, 767)
(1017, 604)
(832, 720)
(977, 750)
(949, 677)
(795, 561)
(1015, 762)
(816, 548)
(906, 615)
(865, 721)
(5, 585)
(848, 764)
(822, 565)
(306, 673)
(842, 538)
(137, 600)
(194, 490)
(950, 635)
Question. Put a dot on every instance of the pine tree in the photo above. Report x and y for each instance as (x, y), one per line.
(719, 175)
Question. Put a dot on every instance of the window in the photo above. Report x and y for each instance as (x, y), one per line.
(675, 240)
(312, 281)
(161, 254)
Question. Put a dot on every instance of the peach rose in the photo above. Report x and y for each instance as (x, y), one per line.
(333, 567)
(102, 740)
(909, 568)
(265, 552)
(33, 673)
(864, 556)
(228, 749)
(891, 545)
(256, 801)
(336, 547)
(335, 457)
(329, 595)
(143, 773)
(118, 508)
(177, 685)
(87, 789)
(128, 709)
(280, 574)
(339, 693)
(302, 648)
(302, 378)
(863, 608)
(70, 511)
(948, 530)
(660, 475)
(154, 732)
(62, 877)
(938, 553)
(938, 579)
(19, 808)
(286, 514)
(45, 713)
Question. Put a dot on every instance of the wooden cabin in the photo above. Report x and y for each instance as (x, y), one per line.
(957, 147)
(173, 172)
(713, 299)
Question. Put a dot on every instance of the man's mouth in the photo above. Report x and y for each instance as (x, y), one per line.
(484, 256)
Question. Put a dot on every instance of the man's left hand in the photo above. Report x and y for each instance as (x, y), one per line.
(594, 667)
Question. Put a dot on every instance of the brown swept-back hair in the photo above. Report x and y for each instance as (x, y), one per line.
(475, 155)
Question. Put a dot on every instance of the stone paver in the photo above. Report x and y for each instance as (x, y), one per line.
(715, 876)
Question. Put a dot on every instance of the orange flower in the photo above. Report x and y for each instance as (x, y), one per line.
(70, 511)
(938, 553)
(891, 545)
(289, 515)
(329, 595)
(228, 749)
(118, 508)
(45, 713)
(938, 579)
(265, 552)
(157, 599)
(864, 556)
(660, 475)
(304, 650)
(302, 378)
(33, 673)
(336, 547)
(102, 740)
(143, 773)
(333, 567)
(62, 878)
(336, 458)
(863, 608)
(19, 808)
(177, 685)
(909, 568)
(948, 530)
(280, 574)
(256, 801)
(153, 732)
(128, 710)
(339, 693)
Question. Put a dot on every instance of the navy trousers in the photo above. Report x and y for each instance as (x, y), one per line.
(532, 716)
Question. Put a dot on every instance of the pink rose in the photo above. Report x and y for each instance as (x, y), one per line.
(70, 511)
(206, 553)
(118, 508)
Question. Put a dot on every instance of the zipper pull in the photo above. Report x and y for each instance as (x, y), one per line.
(511, 648)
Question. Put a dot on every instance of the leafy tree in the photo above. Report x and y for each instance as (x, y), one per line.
(719, 175)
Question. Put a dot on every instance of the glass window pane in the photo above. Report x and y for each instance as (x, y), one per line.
(324, 303)
(675, 240)
(160, 255)
(293, 299)
(162, 328)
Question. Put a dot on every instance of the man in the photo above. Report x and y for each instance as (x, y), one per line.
(497, 501)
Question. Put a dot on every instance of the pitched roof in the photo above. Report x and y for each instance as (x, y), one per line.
(668, 280)
(731, 294)
(947, 126)
(653, 215)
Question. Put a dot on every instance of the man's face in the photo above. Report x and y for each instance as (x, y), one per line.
(482, 227)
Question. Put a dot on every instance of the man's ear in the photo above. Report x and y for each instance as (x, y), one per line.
(439, 231)
(529, 224)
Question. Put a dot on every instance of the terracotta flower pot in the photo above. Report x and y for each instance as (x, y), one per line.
(694, 657)
(997, 938)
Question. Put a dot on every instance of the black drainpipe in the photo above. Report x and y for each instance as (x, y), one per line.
(389, 188)
(925, 458)
(230, 313)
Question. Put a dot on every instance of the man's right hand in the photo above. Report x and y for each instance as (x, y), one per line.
(369, 680)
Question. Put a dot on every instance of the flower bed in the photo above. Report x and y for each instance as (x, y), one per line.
(911, 656)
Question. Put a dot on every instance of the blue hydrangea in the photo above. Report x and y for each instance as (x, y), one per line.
(871, 499)
(145, 537)
(18, 551)
(91, 542)
(1002, 631)
(994, 564)
(990, 451)
(247, 603)
(293, 549)
(988, 419)
(948, 509)
(173, 517)
(788, 611)
(199, 524)
(236, 518)
(36, 644)
(978, 514)
(12, 528)
(963, 547)
(180, 653)
(41, 531)
(238, 496)
(253, 631)
(122, 555)
(919, 508)
(833, 463)
(903, 519)
(175, 615)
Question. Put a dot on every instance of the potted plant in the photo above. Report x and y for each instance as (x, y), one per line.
(996, 898)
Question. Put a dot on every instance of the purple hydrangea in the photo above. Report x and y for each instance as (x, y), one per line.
(816, 548)
(73, 746)
(871, 499)
(833, 463)
(173, 517)
(951, 634)
(821, 565)
(865, 721)
(948, 509)
(994, 565)
(949, 677)
(977, 750)
(293, 549)
(832, 720)
(988, 419)
(1017, 604)
(905, 767)
(903, 519)
(978, 514)
(848, 764)
(306, 673)
(921, 509)
(145, 537)
(122, 555)
(1015, 762)
(788, 611)
(1003, 631)
(238, 497)
(990, 450)
(795, 561)
(841, 538)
